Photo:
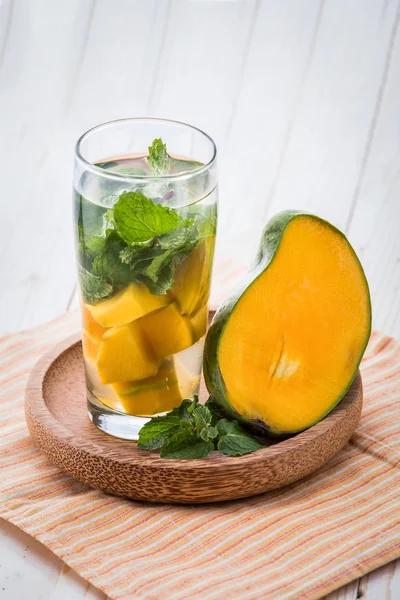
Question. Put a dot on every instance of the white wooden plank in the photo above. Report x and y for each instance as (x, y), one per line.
(277, 61)
(29, 570)
(381, 584)
(203, 50)
(115, 76)
(6, 11)
(36, 158)
(322, 160)
(36, 250)
(70, 586)
(347, 592)
(374, 228)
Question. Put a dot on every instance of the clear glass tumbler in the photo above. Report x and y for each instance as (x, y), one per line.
(145, 211)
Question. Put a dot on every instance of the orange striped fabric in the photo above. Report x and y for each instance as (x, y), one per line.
(300, 542)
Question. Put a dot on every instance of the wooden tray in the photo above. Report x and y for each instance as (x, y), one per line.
(56, 414)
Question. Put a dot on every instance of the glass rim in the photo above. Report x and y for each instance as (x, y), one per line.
(184, 175)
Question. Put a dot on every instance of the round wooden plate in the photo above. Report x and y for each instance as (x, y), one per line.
(57, 418)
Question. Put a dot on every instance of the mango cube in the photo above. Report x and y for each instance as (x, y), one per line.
(199, 322)
(167, 331)
(153, 395)
(90, 347)
(124, 355)
(129, 304)
(93, 329)
(192, 278)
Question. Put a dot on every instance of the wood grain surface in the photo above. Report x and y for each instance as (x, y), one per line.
(56, 414)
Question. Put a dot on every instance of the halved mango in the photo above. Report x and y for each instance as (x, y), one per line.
(167, 331)
(192, 279)
(199, 322)
(153, 395)
(124, 355)
(129, 304)
(284, 349)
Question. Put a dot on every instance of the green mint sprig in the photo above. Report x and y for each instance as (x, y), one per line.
(119, 254)
(158, 159)
(193, 431)
(138, 240)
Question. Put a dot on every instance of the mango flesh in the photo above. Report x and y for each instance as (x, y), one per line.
(124, 355)
(285, 350)
(192, 279)
(131, 303)
(199, 322)
(90, 346)
(167, 331)
(93, 329)
(153, 395)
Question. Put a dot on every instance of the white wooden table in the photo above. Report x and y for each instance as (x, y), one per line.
(302, 98)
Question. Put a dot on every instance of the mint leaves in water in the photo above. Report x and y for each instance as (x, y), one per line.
(138, 239)
(193, 431)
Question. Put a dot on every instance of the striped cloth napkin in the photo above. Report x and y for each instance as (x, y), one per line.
(299, 542)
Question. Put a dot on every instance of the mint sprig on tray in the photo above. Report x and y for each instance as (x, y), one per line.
(193, 431)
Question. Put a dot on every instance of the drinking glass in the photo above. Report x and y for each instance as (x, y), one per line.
(145, 210)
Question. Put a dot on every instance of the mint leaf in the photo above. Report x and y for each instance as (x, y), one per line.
(185, 410)
(108, 264)
(202, 417)
(108, 222)
(161, 286)
(169, 252)
(92, 287)
(208, 433)
(138, 219)
(96, 243)
(187, 433)
(130, 254)
(215, 409)
(165, 261)
(155, 432)
(158, 159)
(207, 227)
(184, 445)
(154, 263)
(235, 441)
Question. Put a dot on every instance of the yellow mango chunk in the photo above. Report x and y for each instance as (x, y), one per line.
(192, 279)
(153, 395)
(167, 331)
(199, 322)
(129, 304)
(90, 347)
(93, 329)
(124, 355)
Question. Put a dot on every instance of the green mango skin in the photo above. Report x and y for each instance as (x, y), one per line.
(270, 241)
